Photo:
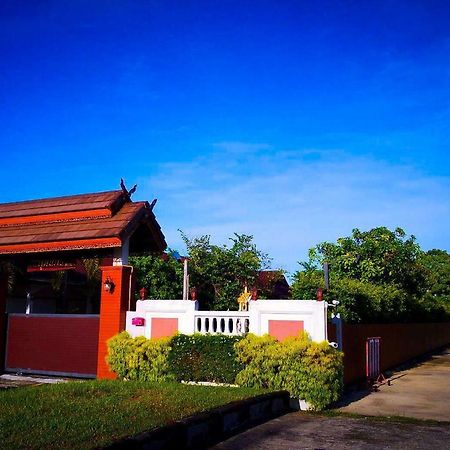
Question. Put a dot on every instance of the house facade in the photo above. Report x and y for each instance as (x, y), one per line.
(65, 282)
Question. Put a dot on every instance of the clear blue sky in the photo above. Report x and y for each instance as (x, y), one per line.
(292, 121)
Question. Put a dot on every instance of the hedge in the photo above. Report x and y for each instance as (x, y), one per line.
(182, 357)
(308, 370)
(200, 357)
(139, 358)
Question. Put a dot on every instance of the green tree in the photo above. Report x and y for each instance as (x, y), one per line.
(220, 273)
(161, 275)
(375, 256)
(437, 265)
(378, 276)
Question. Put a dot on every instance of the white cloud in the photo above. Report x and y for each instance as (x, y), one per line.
(291, 200)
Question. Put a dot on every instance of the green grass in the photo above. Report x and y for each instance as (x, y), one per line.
(95, 413)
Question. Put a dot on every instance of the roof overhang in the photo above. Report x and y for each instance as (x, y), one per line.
(82, 222)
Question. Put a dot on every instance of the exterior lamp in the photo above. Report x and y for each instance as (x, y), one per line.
(108, 285)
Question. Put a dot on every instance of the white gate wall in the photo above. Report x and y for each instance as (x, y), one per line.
(312, 314)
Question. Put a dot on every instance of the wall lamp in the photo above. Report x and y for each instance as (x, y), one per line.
(108, 285)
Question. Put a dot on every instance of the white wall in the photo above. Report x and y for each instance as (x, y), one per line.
(183, 310)
(312, 313)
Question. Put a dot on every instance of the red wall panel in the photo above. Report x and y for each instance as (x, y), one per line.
(61, 344)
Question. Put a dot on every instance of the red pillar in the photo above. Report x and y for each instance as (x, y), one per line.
(113, 306)
(3, 295)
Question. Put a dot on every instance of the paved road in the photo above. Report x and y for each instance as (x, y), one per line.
(307, 431)
(421, 392)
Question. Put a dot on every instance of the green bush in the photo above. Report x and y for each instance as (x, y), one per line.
(139, 358)
(308, 370)
(204, 358)
(189, 358)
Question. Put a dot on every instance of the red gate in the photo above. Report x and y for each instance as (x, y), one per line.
(373, 362)
(52, 344)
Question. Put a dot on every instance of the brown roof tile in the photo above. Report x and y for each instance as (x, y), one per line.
(72, 203)
(80, 231)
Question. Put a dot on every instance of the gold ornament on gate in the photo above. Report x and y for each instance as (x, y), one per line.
(243, 299)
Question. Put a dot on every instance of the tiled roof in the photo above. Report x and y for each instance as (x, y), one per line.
(86, 221)
(86, 205)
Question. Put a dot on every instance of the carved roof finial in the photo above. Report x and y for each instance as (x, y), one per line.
(126, 192)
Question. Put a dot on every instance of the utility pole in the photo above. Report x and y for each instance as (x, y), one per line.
(185, 280)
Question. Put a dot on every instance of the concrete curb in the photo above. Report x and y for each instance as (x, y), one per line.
(210, 427)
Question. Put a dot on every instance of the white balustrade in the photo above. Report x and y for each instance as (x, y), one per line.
(221, 322)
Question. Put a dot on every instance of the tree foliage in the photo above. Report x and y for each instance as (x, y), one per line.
(161, 276)
(437, 264)
(375, 256)
(220, 273)
(378, 276)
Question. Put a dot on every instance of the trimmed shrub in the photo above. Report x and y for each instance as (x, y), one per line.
(260, 364)
(200, 357)
(139, 358)
(308, 370)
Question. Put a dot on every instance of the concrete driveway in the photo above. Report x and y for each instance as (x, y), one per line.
(9, 381)
(422, 392)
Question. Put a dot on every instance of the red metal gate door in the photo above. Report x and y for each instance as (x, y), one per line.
(52, 344)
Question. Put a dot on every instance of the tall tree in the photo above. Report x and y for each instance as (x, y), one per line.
(220, 272)
(375, 256)
(378, 276)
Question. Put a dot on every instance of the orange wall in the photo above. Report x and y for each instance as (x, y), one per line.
(113, 308)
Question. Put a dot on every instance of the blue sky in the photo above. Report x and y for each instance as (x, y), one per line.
(291, 121)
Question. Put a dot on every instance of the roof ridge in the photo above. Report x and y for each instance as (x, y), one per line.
(61, 197)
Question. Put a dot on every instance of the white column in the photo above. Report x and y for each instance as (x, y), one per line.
(120, 255)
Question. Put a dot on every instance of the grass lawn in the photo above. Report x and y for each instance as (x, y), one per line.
(94, 413)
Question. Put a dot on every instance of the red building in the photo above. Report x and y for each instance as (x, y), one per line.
(65, 282)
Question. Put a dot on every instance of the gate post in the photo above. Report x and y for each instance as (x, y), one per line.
(3, 318)
(114, 303)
